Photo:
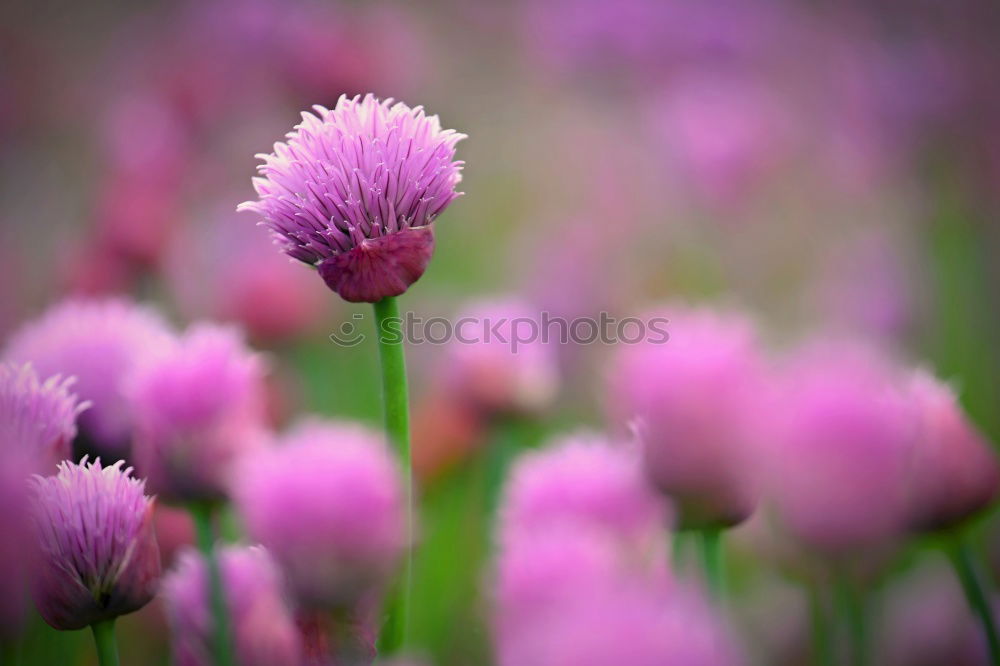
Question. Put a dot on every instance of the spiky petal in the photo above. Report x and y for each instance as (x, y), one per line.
(37, 418)
(98, 557)
(100, 342)
(354, 191)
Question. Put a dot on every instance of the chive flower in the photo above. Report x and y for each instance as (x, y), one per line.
(264, 631)
(499, 364)
(328, 503)
(198, 408)
(582, 480)
(100, 343)
(695, 400)
(354, 191)
(954, 472)
(839, 472)
(37, 418)
(97, 554)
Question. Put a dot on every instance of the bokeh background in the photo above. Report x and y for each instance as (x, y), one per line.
(831, 167)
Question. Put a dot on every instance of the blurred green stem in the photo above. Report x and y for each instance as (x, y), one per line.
(395, 410)
(507, 440)
(819, 616)
(975, 593)
(855, 612)
(104, 637)
(10, 652)
(204, 522)
(712, 558)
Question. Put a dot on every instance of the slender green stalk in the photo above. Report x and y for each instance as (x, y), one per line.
(396, 412)
(819, 616)
(104, 637)
(711, 555)
(222, 643)
(509, 438)
(855, 612)
(975, 594)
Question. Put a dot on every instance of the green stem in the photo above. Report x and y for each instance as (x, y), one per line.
(822, 647)
(711, 554)
(855, 611)
(222, 644)
(395, 401)
(104, 637)
(975, 594)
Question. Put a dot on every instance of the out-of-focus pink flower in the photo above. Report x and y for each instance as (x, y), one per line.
(217, 269)
(498, 362)
(726, 133)
(37, 419)
(135, 217)
(174, 531)
(843, 446)
(98, 557)
(582, 480)
(355, 190)
(264, 632)
(954, 471)
(198, 408)
(695, 401)
(328, 503)
(927, 622)
(537, 572)
(100, 343)
(639, 626)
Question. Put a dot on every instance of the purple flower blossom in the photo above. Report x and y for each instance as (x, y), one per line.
(695, 402)
(354, 191)
(638, 626)
(264, 631)
(98, 557)
(843, 447)
(37, 419)
(100, 342)
(586, 481)
(498, 372)
(537, 572)
(955, 472)
(197, 409)
(328, 503)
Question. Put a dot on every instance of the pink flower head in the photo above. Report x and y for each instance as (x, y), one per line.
(264, 632)
(694, 400)
(498, 361)
(536, 572)
(634, 625)
(197, 409)
(100, 343)
(955, 472)
(583, 481)
(37, 419)
(98, 557)
(328, 503)
(727, 133)
(843, 448)
(354, 191)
